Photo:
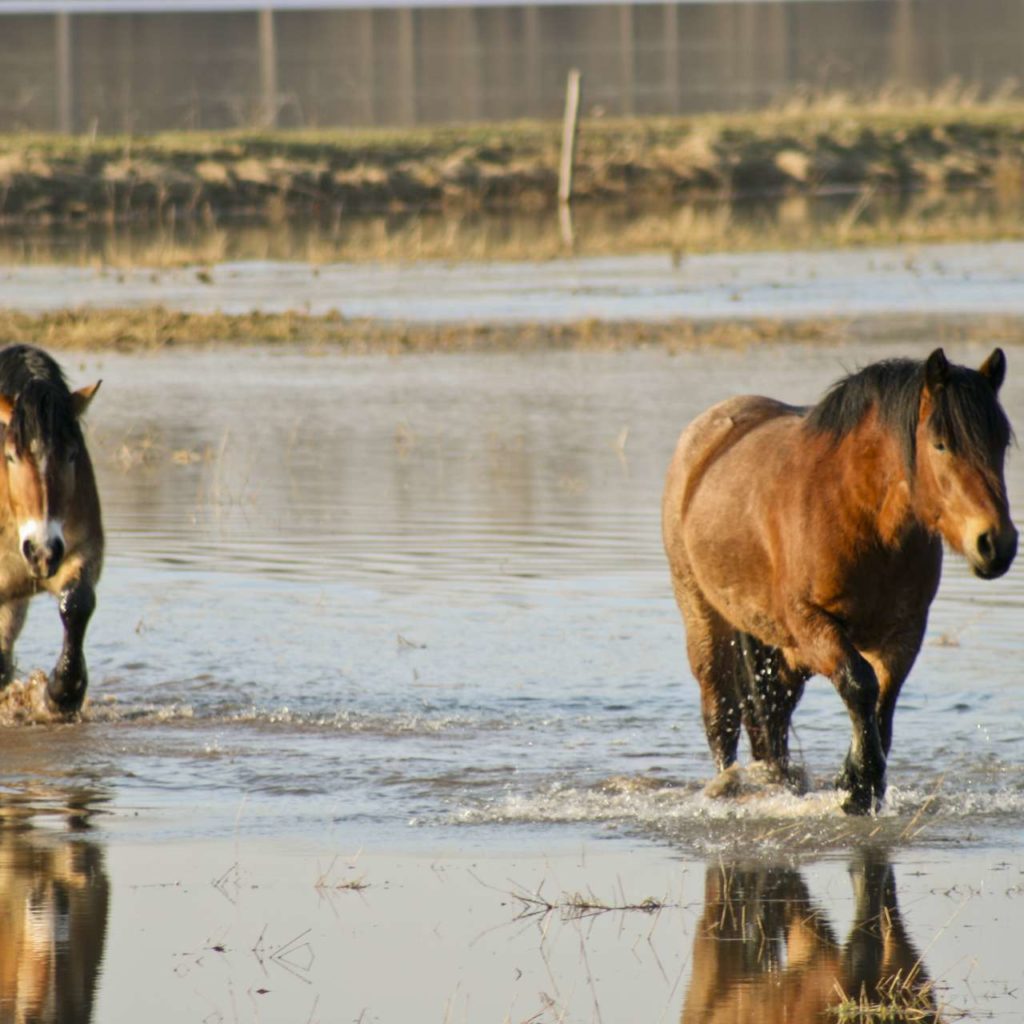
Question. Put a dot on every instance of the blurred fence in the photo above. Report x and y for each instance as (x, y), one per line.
(149, 65)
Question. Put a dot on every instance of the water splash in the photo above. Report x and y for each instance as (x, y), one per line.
(24, 702)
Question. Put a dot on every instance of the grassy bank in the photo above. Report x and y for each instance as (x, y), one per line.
(806, 150)
(156, 327)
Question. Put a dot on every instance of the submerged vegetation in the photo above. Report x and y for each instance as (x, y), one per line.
(825, 146)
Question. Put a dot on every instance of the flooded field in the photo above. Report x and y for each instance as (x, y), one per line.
(385, 645)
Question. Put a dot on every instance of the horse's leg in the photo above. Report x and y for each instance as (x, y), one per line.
(12, 618)
(891, 666)
(825, 650)
(69, 679)
(710, 647)
(773, 691)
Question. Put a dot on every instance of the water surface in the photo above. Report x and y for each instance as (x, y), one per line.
(384, 645)
(426, 594)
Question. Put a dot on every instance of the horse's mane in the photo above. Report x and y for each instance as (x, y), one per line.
(965, 412)
(42, 402)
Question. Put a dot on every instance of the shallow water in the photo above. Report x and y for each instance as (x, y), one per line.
(405, 624)
(963, 279)
(276, 932)
(406, 597)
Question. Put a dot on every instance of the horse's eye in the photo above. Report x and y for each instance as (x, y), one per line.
(940, 446)
(10, 458)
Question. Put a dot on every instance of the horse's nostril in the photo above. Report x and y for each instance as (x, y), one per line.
(28, 549)
(56, 552)
(987, 545)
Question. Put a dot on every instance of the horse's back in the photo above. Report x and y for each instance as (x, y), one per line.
(707, 439)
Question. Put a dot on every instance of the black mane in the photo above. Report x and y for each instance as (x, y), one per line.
(966, 414)
(43, 408)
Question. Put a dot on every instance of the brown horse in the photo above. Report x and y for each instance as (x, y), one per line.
(51, 533)
(809, 541)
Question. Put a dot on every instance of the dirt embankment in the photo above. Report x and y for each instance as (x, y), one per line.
(478, 167)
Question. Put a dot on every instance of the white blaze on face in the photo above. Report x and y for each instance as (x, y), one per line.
(42, 533)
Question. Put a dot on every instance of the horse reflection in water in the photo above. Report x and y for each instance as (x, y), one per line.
(53, 921)
(764, 953)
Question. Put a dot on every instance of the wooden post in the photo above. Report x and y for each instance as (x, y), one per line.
(268, 69)
(364, 100)
(627, 60)
(532, 65)
(62, 50)
(570, 127)
(670, 29)
(405, 66)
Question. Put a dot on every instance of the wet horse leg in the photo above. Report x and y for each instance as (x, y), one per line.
(891, 667)
(773, 691)
(710, 646)
(864, 770)
(12, 618)
(825, 650)
(69, 679)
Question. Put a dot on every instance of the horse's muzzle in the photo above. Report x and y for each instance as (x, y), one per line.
(43, 560)
(994, 553)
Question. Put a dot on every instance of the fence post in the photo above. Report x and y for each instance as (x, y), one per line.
(268, 69)
(627, 60)
(62, 56)
(570, 127)
(670, 28)
(405, 66)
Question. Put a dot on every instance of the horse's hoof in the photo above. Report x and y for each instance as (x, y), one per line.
(862, 800)
(856, 805)
(65, 701)
(726, 783)
(797, 780)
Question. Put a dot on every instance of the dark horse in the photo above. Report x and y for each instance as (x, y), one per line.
(51, 533)
(809, 541)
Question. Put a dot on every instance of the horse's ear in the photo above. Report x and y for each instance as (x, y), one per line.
(994, 369)
(936, 371)
(81, 398)
(6, 410)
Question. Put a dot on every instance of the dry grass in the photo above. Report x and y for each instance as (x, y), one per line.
(900, 999)
(807, 145)
(156, 327)
(577, 905)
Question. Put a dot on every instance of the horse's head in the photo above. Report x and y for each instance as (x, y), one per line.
(960, 445)
(42, 443)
